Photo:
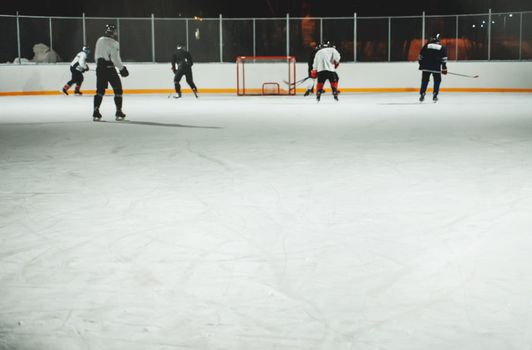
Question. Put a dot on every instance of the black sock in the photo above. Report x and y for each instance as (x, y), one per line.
(118, 103)
(97, 101)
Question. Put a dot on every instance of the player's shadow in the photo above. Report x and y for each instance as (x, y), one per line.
(168, 125)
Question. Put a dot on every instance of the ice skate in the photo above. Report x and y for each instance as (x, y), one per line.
(421, 97)
(308, 92)
(195, 91)
(65, 91)
(318, 95)
(120, 115)
(78, 93)
(177, 95)
(435, 98)
(96, 116)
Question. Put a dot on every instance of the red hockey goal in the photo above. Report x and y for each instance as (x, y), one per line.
(265, 75)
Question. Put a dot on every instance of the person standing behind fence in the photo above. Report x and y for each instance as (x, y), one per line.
(77, 68)
(107, 57)
(182, 65)
(432, 60)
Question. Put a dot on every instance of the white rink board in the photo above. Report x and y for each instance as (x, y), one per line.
(502, 75)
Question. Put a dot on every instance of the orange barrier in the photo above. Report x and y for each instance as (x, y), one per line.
(233, 91)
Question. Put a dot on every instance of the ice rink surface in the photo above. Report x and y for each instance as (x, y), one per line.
(267, 223)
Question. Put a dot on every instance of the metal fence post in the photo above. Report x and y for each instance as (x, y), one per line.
(355, 37)
(186, 33)
(520, 36)
(18, 39)
(84, 31)
(423, 30)
(118, 28)
(51, 34)
(221, 41)
(321, 30)
(456, 40)
(152, 38)
(254, 40)
(489, 35)
(389, 38)
(287, 34)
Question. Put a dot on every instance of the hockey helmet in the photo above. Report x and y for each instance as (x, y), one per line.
(86, 50)
(110, 30)
(180, 46)
(435, 38)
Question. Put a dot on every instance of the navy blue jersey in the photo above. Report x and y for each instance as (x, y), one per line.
(433, 56)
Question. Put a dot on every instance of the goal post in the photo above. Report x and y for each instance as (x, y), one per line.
(265, 75)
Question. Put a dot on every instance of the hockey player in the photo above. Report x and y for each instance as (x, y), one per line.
(310, 62)
(182, 65)
(77, 68)
(324, 68)
(107, 57)
(432, 60)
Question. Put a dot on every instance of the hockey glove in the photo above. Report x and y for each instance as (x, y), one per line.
(444, 71)
(336, 64)
(86, 69)
(313, 74)
(124, 72)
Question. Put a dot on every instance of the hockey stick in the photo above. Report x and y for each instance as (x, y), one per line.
(296, 83)
(451, 73)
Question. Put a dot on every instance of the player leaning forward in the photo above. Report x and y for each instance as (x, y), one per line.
(432, 60)
(107, 57)
(326, 61)
(77, 68)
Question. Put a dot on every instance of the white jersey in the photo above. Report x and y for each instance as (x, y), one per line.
(109, 50)
(81, 60)
(326, 59)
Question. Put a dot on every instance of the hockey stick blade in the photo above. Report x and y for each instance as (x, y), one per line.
(451, 73)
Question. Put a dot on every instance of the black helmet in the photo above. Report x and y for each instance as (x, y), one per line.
(435, 38)
(110, 30)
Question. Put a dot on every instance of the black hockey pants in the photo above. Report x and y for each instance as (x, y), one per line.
(77, 77)
(106, 74)
(425, 82)
(187, 72)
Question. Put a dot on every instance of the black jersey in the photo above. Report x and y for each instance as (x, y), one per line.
(433, 56)
(181, 60)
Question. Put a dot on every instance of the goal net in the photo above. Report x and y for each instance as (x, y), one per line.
(265, 75)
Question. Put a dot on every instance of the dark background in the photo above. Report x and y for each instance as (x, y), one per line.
(257, 8)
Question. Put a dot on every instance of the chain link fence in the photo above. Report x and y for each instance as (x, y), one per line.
(487, 36)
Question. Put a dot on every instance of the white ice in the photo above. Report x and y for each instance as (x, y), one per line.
(267, 223)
